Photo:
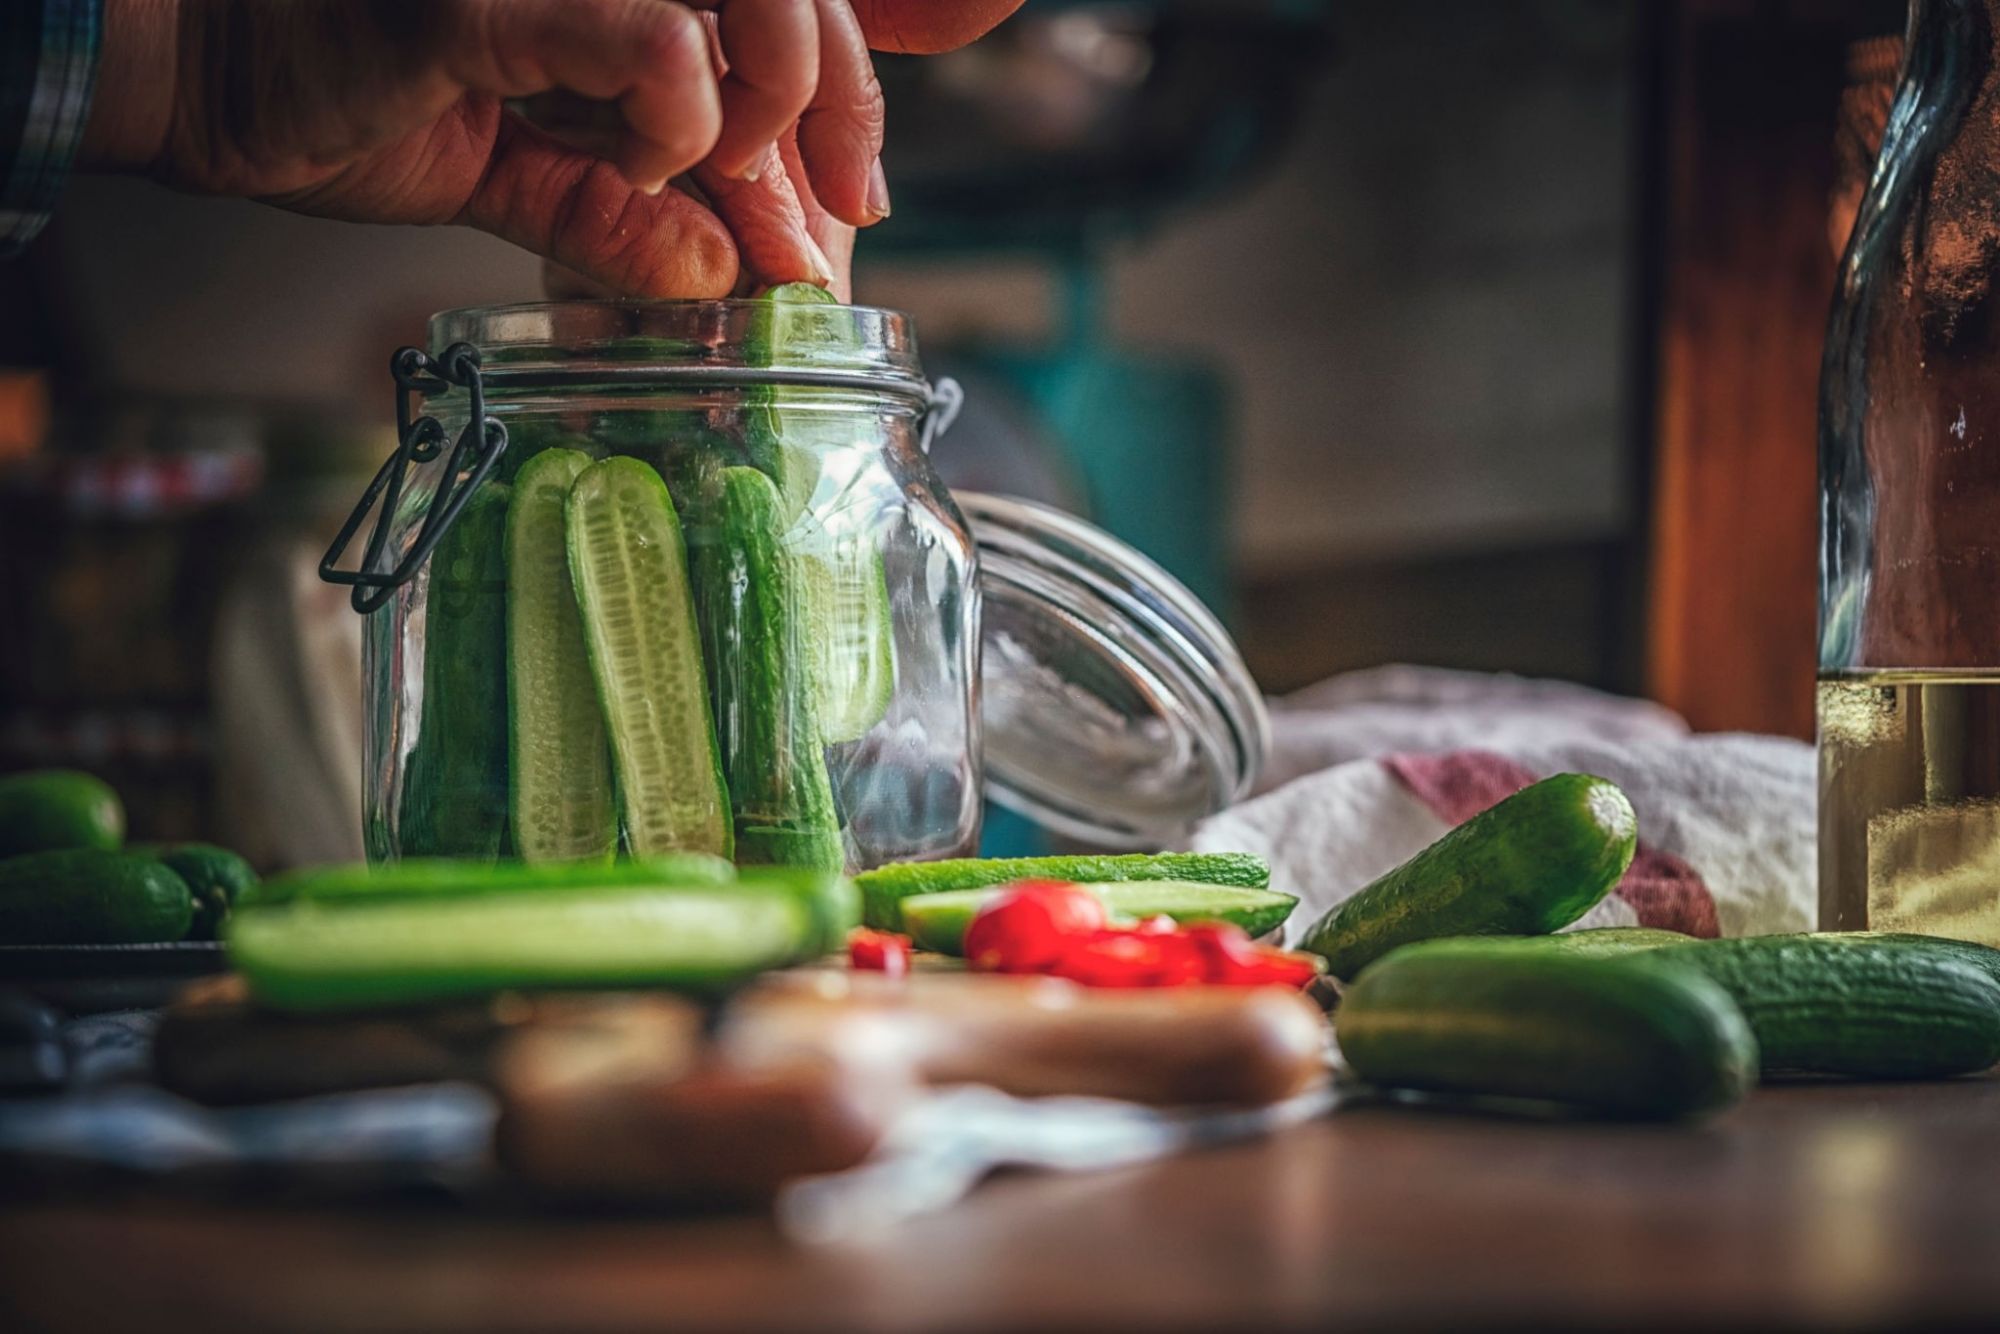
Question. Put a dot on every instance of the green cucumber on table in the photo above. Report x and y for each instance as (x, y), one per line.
(1902, 1008)
(562, 804)
(1623, 1037)
(311, 955)
(884, 888)
(48, 810)
(760, 663)
(1530, 865)
(91, 896)
(427, 878)
(454, 798)
(938, 921)
(629, 569)
(216, 878)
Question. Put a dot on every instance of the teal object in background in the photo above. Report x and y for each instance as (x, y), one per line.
(1151, 439)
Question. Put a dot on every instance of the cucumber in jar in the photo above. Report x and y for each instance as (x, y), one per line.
(563, 806)
(629, 568)
(454, 799)
(758, 634)
(793, 435)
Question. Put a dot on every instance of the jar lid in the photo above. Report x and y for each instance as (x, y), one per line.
(1116, 708)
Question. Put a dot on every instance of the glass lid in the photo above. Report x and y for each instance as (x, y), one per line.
(1116, 708)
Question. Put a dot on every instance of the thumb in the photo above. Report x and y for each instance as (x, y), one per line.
(578, 211)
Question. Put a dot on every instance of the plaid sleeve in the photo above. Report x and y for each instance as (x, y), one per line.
(48, 61)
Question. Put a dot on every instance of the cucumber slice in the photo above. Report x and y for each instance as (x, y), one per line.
(425, 878)
(938, 921)
(629, 569)
(454, 800)
(310, 956)
(883, 888)
(766, 704)
(846, 598)
(559, 766)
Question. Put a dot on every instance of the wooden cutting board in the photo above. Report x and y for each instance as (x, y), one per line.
(651, 1095)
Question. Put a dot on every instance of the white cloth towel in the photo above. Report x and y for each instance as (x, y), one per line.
(1368, 769)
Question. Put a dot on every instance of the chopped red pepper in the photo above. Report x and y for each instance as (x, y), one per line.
(1043, 926)
(1029, 926)
(878, 951)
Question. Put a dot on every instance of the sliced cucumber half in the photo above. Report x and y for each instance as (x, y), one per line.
(563, 804)
(629, 569)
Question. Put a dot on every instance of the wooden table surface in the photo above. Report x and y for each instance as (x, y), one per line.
(1835, 1207)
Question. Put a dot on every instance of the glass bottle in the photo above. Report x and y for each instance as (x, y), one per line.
(1909, 658)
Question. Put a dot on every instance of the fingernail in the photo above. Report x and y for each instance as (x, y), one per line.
(822, 267)
(651, 188)
(878, 191)
(752, 171)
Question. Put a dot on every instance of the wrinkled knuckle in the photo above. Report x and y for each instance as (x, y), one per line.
(672, 44)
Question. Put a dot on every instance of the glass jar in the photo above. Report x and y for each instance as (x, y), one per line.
(1909, 690)
(650, 576)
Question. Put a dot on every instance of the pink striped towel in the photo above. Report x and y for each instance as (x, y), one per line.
(1380, 764)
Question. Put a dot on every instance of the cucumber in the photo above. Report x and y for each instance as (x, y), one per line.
(1611, 941)
(90, 896)
(1528, 866)
(938, 921)
(761, 665)
(441, 878)
(845, 591)
(52, 809)
(702, 938)
(454, 800)
(1882, 1009)
(832, 898)
(1983, 957)
(1597, 943)
(629, 570)
(790, 434)
(1624, 1037)
(215, 877)
(883, 888)
(562, 804)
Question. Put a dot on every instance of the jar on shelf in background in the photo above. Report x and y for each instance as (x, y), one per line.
(680, 575)
(1909, 659)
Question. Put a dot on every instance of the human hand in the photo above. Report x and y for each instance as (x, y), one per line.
(388, 111)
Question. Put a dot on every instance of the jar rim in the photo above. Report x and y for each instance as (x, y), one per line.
(863, 346)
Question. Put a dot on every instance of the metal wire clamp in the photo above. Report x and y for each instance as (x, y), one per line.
(419, 440)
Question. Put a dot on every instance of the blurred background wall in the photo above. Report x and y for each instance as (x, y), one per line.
(1351, 313)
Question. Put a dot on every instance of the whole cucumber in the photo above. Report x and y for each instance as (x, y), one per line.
(88, 896)
(1530, 865)
(51, 809)
(1982, 957)
(454, 800)
(1867, 1009)
(1601, 942)
(766, 699)
(1624, 1037)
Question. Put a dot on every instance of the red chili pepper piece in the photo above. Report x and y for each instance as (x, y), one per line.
(1030, 925)
(1118, 957)
(879, 951)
